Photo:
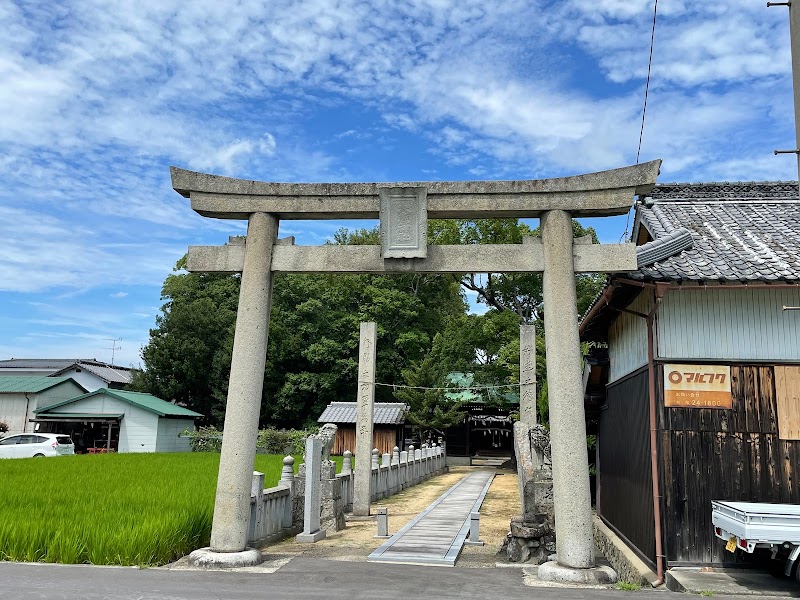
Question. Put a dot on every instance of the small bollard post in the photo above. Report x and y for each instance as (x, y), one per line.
(287, 472)
(474, 530)
(347, 462)
(382, 519)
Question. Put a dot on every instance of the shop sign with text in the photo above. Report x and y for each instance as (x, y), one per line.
(697, 386)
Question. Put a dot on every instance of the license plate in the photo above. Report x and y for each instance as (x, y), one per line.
(731, 545)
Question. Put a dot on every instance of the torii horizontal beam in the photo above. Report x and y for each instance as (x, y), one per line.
(481, 258)
(603, 193)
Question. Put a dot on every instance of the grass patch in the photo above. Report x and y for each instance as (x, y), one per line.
(112, 509)
(707, 593)
(627, 586)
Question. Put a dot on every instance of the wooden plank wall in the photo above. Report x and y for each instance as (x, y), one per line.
(383, 438)
(787, 388)
(720, 454)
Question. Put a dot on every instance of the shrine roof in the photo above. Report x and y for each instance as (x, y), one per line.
(384, 413)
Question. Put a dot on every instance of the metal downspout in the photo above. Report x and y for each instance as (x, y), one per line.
(27, 409)
(651, 384)
(651, 375)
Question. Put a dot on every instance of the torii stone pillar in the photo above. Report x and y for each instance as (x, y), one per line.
(574, 537)
(527, 374)
(232, 505)
(365, 403)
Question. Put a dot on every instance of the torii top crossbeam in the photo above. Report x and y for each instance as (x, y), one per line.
(603, 193)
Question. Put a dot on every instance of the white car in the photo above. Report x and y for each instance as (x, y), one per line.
(25, 445)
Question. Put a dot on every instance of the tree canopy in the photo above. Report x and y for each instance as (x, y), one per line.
(424, 332)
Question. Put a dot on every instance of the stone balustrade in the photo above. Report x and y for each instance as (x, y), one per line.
(277, 512)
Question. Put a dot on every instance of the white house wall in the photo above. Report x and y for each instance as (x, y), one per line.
(729, 324)
(88, 380)
(627, 339)
(16, 409)
(169, 431)
(13, 408)
(138, 428)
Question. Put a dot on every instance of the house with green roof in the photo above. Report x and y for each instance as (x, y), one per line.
(118, 420)
(21, 395)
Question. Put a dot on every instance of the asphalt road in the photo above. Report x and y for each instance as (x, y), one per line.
(300, 578)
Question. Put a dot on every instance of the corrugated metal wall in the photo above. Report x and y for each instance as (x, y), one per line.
(625, 497)
(627, 339)
(729, 324)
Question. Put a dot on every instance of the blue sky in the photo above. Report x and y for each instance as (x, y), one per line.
(98, 98)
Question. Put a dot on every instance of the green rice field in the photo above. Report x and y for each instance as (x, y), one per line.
(111, 509)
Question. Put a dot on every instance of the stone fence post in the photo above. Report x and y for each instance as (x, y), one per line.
(287, 480)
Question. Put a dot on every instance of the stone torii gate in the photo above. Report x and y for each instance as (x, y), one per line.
(403, 210)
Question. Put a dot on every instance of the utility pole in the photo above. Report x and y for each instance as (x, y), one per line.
(794, 35)
(113, 347)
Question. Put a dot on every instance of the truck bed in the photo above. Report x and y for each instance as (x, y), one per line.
(756, 522)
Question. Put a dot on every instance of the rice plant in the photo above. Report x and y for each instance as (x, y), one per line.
(112, 509)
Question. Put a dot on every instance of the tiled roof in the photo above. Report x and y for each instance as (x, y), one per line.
(40, 363)
(144, 401)
(384, 413)
(10, 384)
(106, 372)
(740, 231)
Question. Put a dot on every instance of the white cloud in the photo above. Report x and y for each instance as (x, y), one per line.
(100, 96)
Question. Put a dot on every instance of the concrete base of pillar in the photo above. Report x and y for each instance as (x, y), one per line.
(310, 538)
(207, 559)
(552, 571)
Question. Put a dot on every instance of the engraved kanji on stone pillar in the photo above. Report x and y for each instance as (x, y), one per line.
(527, 374)
(364, 415)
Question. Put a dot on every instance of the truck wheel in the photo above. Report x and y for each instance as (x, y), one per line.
(38, 455)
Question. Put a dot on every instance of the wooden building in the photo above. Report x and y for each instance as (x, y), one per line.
(703, 358)
(388, 425)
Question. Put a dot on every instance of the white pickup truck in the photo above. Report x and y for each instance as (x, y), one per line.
(751, 525)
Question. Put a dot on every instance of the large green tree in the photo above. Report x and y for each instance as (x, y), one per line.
(313, 342)
(488, 345)
(188, 354)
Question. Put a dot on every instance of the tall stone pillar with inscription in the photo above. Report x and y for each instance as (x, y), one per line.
(364, 418)
(527, 374)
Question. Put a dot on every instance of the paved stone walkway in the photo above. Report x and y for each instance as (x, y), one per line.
(437, 534)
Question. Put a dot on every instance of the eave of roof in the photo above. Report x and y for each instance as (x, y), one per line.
(146, 402)
(21, 384)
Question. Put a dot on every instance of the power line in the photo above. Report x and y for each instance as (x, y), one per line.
(445, 389)
(644, 107)
(647, 84)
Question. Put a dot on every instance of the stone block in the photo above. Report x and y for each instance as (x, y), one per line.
(207, 559)
(529, 531)
(553, 571)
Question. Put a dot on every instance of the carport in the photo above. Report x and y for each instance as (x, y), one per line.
(91, 433)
